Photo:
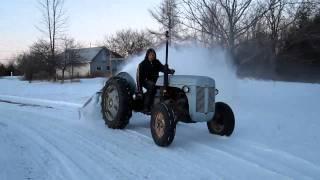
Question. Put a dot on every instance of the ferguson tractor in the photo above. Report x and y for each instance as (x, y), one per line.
(179, 98)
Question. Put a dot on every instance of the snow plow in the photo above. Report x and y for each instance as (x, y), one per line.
(179, 98)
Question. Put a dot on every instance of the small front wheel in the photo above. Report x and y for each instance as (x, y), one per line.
(223, 121)
(163, 125)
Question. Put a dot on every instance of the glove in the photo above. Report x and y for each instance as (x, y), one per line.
(171, 71)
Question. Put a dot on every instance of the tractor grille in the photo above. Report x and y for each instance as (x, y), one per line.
(205, 99)
(212, 95)
(200, 99)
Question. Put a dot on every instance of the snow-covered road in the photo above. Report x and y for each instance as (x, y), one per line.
(276, 137)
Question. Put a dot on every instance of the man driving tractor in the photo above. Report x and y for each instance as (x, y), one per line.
(186, 98)
(147, 76)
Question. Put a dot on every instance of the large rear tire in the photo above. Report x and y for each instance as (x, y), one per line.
(223, 121)
(162, 124)
(116, 104)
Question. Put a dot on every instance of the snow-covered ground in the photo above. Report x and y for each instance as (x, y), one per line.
(76, 93)
(42, 137)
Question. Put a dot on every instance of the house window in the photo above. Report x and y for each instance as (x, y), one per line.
(108, 68)
(98, 68)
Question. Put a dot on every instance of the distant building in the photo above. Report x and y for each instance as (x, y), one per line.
(90, 62)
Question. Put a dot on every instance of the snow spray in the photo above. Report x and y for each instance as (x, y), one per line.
(193, 60)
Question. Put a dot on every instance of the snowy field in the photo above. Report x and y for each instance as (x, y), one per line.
(41, 136)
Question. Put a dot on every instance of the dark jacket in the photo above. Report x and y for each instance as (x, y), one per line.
(148, 71)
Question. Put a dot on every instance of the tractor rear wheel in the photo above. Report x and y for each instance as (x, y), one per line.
(116, 103)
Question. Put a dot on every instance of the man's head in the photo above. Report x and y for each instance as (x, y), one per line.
(151, 55)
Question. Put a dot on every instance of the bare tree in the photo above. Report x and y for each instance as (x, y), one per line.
(70, 55)
(41, 48)
(35, 62)
(282, 14)
(166, 14)
(53, 24)
(224, 21)
(127, 42)
(275, 19)
(26, 65)
(305, 11)
(3, 70)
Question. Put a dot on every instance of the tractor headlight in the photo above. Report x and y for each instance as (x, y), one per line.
(186, 89)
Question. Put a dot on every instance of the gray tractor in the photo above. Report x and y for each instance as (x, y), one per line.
(179, 98)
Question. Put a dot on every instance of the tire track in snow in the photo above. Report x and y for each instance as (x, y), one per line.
(141, 141)
(45, 138)
(220, 155)
(84, 154)
(93, 155)
(12, 153)
(237, 158)
(37, 102)
(23, 104)
(144, 137)
(291, 166)
(101, 154)
(50, 139)
(3, 125)
(138, 141)
(178, 160)
(136, 154)
(178, 156)
(289, 172)
(138, 131)
(66, 166)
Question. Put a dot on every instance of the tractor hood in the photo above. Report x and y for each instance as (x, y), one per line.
(190, 80)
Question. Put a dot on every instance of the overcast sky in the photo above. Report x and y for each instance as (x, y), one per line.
(89, 21)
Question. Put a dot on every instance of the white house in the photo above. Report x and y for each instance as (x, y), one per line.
(85, 62)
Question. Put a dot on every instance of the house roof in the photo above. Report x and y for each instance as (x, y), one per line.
(86, 55)
(116, 55)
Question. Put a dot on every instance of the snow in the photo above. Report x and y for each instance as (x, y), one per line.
(276, 134)
(68, 93)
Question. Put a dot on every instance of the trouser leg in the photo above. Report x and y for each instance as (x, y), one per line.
(149, 96)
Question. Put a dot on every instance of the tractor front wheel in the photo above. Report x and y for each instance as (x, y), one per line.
(223, 121)
(163, 125)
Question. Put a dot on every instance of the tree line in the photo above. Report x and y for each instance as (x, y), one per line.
(263, 37)
(8, 70)
(256, 33)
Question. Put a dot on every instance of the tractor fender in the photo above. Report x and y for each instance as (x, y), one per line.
(129, 80)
